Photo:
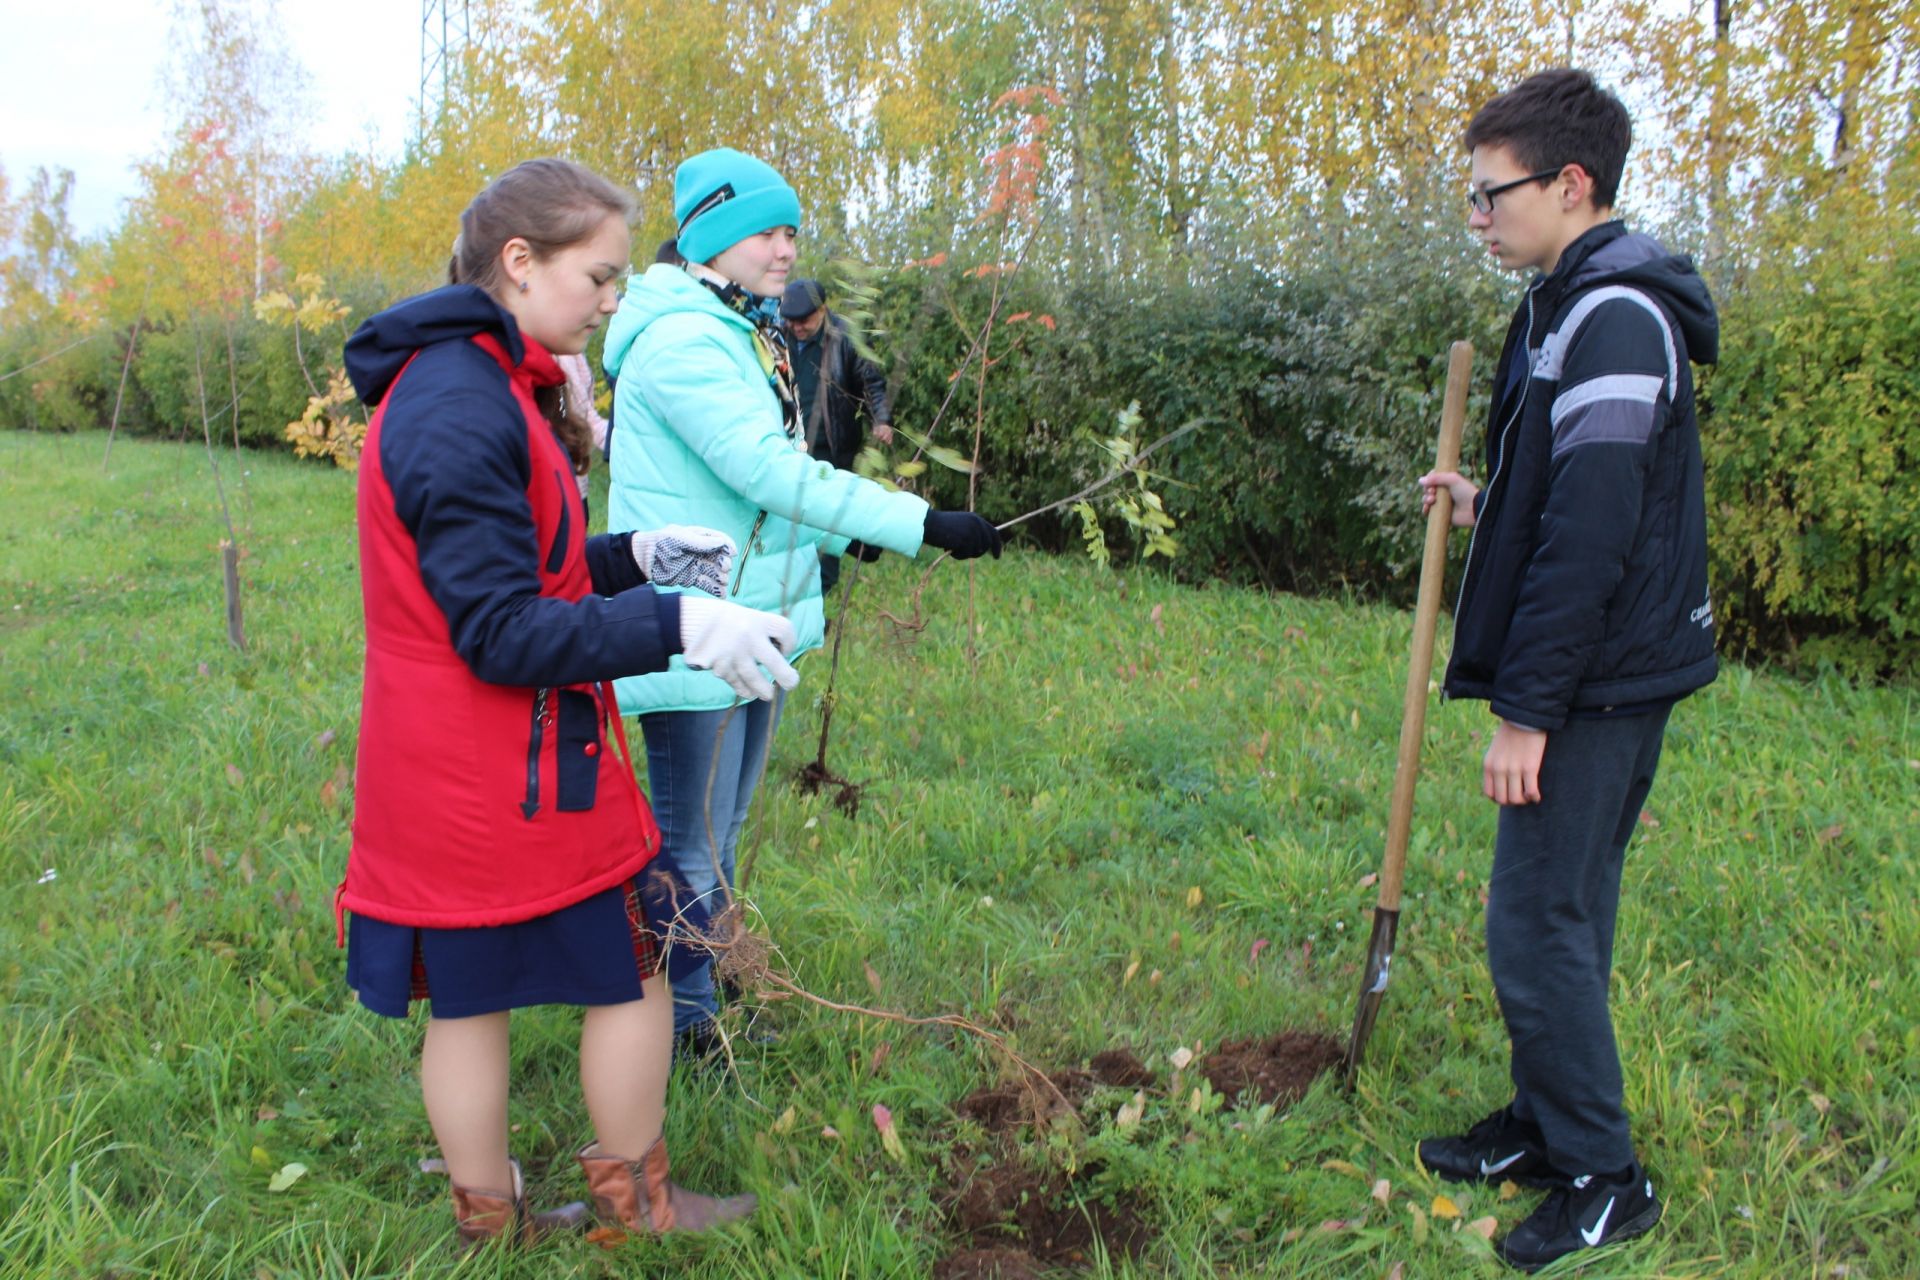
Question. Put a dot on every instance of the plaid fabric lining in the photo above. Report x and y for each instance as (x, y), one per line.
(646, 943)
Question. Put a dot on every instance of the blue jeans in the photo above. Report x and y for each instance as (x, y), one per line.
(688, 752)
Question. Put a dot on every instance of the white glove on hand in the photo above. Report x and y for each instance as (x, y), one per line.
(734, 642)
(685, 555)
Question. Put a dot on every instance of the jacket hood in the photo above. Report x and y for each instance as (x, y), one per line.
(663, 290)
(383, 343)
(1624, 257)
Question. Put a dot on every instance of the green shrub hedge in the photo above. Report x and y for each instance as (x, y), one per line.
(1317, 382)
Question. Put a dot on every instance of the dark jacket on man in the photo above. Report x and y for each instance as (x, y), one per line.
(836, 383)
(1585, 590)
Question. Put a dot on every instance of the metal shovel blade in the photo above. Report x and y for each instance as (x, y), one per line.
(1373, 989)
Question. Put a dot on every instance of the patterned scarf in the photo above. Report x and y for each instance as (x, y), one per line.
(770, 344)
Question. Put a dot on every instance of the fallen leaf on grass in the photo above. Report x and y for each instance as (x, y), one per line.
(607, 1237)
(1419, 1224)
(1133, 967)
(1821, 1102)
(1292, 1236)
(785, 1121)
(1195, 897)
(234, 775)
(889, 1136)
(1382, 1189)
(1648, 821)
(261, 1158)
(1444, 1207)
(1253, 956)
(881, 1052)
(266, 1113)
(1153, 615)
(288, 1175)
(873, 979)
(1509, 1189)
(324, 741)
(1179, 1057)
(1832, 833)
(1342, 1166)
(1482, 1227)
(1398, 1271)
(829, 1132)
(1370, 879)
(1130, 1112)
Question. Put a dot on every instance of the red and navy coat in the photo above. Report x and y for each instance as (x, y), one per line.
(486, 791)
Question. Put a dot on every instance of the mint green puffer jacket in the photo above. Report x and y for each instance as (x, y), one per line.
(698, 439)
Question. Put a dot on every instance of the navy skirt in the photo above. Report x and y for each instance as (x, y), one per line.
(596, 951)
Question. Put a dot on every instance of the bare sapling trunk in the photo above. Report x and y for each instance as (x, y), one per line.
(230, 545)
(120, 395)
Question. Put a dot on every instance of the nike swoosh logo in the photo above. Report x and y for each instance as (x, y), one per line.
(1593, 1237)
(1488, 1170)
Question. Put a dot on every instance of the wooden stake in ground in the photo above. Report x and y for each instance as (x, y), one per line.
(230, 577)
(1413, 717)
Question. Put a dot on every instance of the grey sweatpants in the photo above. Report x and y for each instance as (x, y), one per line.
(1550, 913)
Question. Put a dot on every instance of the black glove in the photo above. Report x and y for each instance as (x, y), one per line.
(963, 533)
(868, 554)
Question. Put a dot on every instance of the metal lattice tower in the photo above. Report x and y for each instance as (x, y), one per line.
(445, 28)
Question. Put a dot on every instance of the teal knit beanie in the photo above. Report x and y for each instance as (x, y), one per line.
(721, 197)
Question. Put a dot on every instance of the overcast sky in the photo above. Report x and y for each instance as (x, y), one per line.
(80, 86)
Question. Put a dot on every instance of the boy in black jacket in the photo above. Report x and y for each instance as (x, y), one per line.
(1583, 617)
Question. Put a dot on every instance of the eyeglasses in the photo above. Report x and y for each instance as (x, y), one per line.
(1481, 198)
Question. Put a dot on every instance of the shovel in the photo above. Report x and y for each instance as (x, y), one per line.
(1413, 718)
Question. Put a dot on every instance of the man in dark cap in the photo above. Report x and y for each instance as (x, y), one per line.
(836, 385)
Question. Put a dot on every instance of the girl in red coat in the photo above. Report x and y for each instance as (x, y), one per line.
(499, 837)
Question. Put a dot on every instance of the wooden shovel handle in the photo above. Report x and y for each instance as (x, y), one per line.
(1426, 615)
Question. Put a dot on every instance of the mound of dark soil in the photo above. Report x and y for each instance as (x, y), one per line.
(1018, 1218)
(988, 1264)
(1045, 1215)
(1118, 1067)
(1004, 1108)
(1278, 1069)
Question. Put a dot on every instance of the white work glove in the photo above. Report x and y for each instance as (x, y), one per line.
(734, 642)
(685, 555)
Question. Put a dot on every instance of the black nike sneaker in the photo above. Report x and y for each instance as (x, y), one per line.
(1498, 1148)
(1592, 1211)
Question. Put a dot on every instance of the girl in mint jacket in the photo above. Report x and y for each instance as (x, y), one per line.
(708, 431)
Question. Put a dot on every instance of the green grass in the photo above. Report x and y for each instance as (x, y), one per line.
(176, 1027)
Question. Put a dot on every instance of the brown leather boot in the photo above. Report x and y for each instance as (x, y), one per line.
(638, 1195)
(486, 1215)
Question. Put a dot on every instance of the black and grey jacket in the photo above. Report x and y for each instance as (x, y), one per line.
(1586, 582)
(846, 384)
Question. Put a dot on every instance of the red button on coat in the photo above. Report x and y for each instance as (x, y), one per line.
(592, 748)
